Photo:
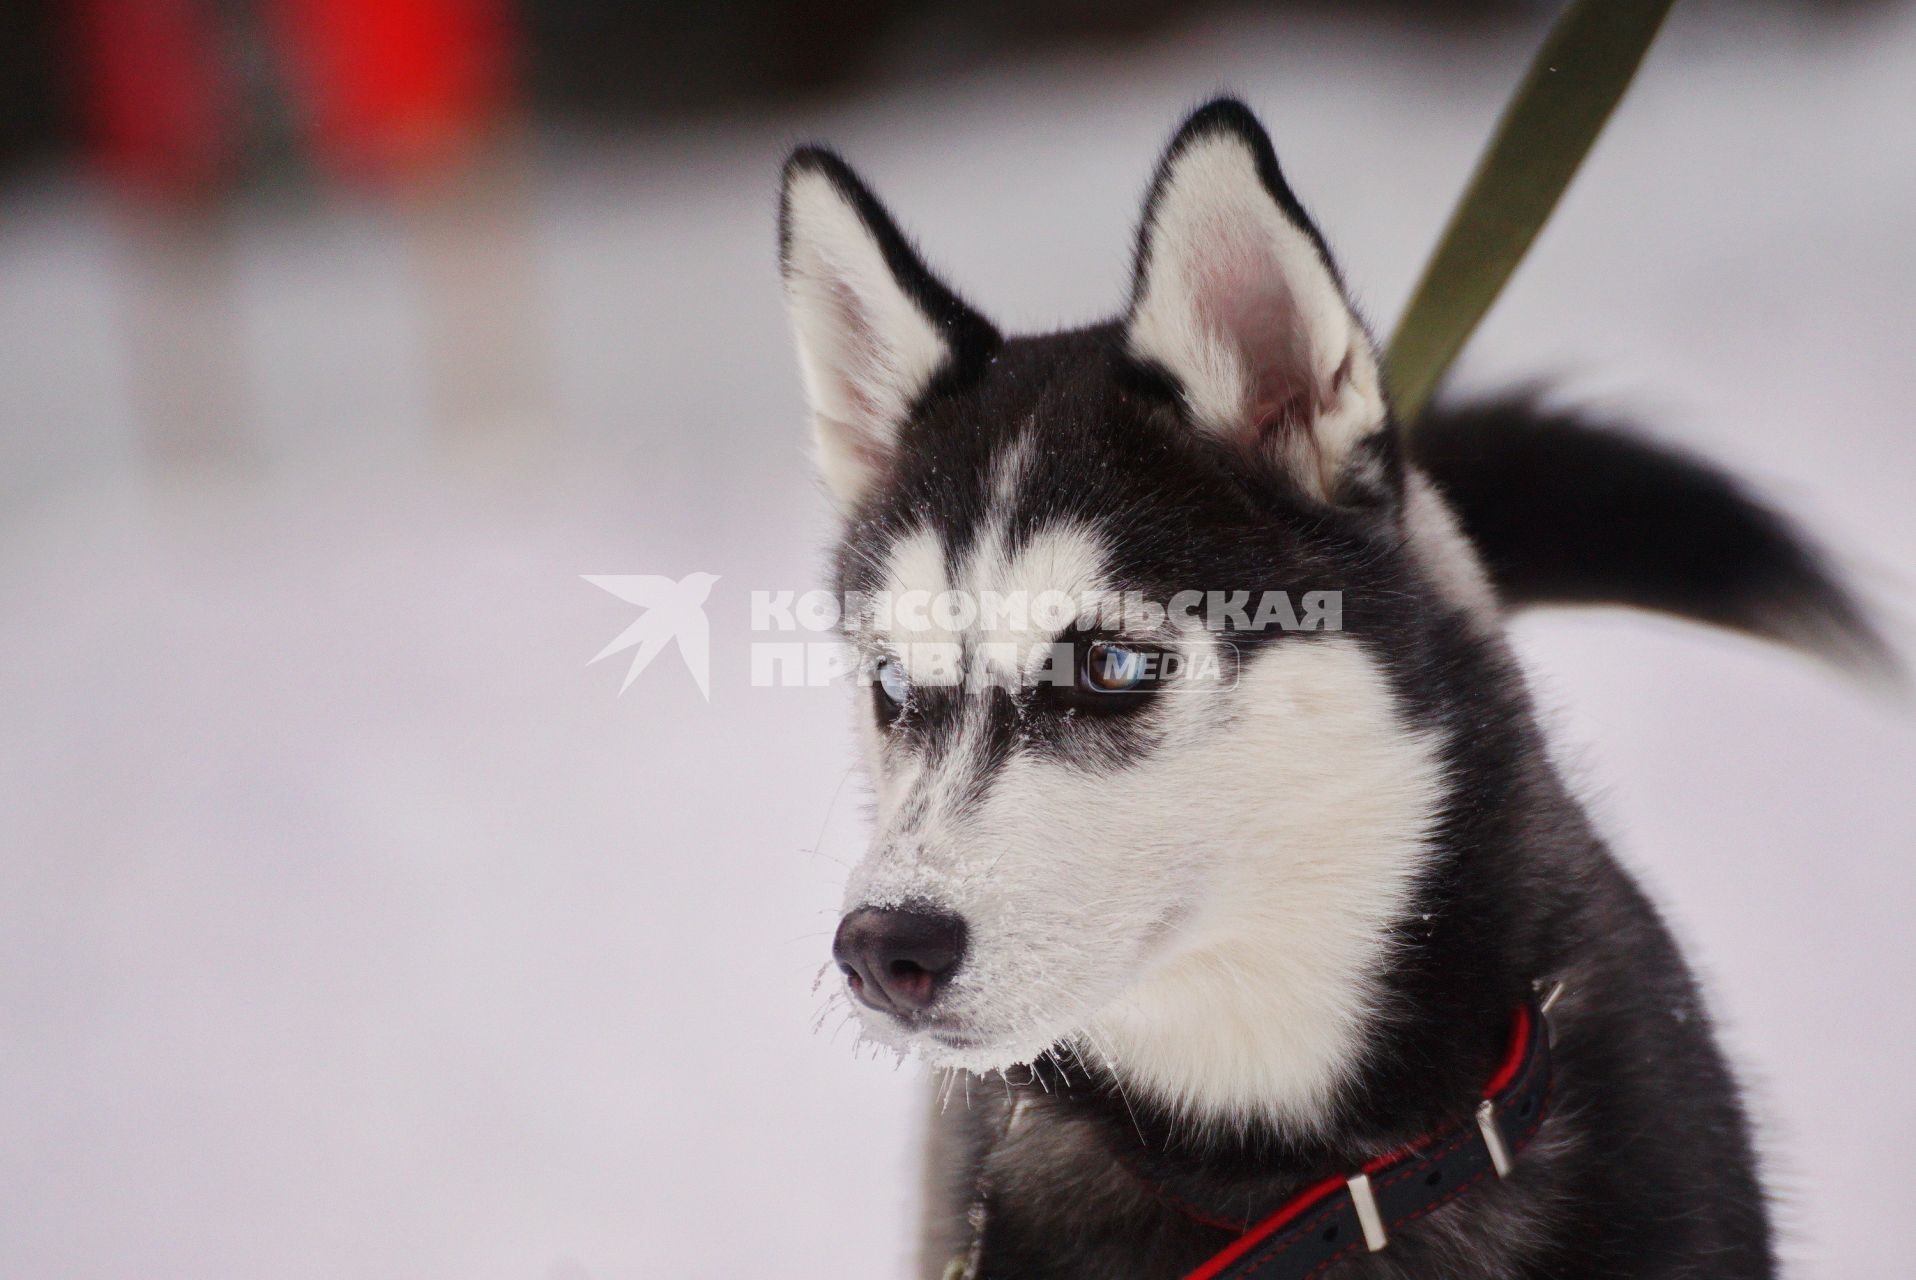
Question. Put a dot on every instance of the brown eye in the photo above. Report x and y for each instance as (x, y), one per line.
(1114, 668)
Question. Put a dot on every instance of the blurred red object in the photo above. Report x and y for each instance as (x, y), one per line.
(152, 92)
(175, 97)
(396, 85)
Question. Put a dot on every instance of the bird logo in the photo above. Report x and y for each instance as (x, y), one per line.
(673, 611)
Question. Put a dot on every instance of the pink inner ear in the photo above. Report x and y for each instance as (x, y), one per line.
(861, 366)
(1242, 300)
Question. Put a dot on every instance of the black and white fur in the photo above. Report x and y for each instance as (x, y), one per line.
(1245, 936)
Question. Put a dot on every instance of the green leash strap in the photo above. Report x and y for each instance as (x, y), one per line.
(1575, 82)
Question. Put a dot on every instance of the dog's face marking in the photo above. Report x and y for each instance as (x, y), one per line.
(1178, 892)
(1198, 889)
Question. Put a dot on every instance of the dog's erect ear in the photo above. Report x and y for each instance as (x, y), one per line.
(875, 328)
(1236, 299)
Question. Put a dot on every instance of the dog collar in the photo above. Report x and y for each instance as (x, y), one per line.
(1342, 1216)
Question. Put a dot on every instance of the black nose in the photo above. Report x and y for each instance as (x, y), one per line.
(898, 961)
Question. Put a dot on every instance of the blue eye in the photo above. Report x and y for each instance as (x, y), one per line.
(893, 681)
(1113, 668)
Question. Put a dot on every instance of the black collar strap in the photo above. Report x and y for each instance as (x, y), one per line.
(1342, 1216)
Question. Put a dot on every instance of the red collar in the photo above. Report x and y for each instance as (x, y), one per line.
(1341, 1216)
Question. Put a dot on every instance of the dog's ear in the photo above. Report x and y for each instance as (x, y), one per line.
(1234, 296)
(875, 329)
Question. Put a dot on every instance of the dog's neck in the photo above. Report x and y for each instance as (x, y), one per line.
(1234, 1170)
(1065, 1152)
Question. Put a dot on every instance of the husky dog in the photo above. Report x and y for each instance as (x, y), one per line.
(1182, 951)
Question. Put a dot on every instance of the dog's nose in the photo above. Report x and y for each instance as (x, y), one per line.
(898, 961)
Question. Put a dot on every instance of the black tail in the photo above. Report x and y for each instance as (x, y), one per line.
(1565, 511)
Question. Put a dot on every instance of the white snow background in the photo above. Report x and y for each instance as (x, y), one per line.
(351, 926)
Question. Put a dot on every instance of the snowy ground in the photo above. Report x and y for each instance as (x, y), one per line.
(350, 926)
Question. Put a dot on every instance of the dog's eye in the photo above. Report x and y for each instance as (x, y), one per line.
(1113, 668)
(1110, 678)
(891, 685)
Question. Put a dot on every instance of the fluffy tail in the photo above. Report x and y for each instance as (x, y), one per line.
(1565, 511)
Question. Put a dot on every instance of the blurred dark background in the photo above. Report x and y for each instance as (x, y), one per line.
(185, 96)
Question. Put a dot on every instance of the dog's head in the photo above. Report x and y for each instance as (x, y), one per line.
(1138, 609)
